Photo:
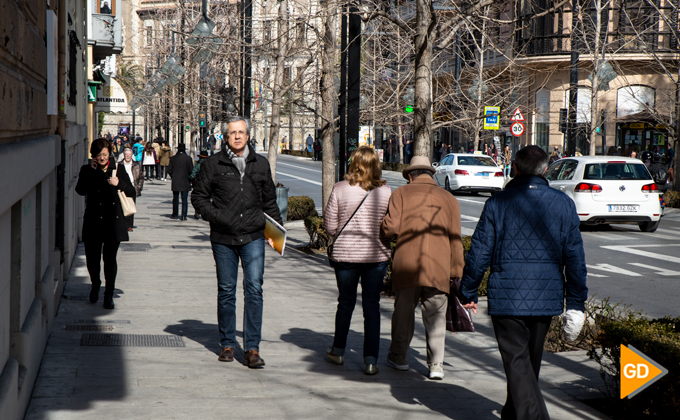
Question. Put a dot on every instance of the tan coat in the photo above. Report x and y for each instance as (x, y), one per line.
(165, 155)
(426, 221)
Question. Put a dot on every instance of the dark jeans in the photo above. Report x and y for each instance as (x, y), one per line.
(147, 169)
(163, 171)
(252, 261)
(347, 276)
(520, 341)
(175, 203)
(131, 219)
(93, 256)
(158, 171)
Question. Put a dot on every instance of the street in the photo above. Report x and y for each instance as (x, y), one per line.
(624, 264)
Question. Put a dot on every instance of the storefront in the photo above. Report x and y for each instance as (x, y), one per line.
(640, 132)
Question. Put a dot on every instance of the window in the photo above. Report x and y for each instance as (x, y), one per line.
(616, 170)
(582, 104)
(568, 170)
(551, 173)
(267, 31)
(542, 128)
(148, 33)
(634, 99)
(475, 161)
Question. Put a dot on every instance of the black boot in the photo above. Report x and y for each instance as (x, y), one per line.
(108, 301)
(94, 293)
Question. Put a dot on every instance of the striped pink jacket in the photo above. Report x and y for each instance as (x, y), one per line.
(360, 241)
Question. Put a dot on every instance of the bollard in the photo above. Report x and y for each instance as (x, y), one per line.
(282, 201)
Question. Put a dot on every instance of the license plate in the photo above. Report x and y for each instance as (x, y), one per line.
(484, 175)
(623, 207)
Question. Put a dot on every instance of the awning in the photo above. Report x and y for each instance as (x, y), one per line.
(111, 98)
(644, 116)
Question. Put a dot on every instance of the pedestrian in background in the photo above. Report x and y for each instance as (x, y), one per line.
(233, 190)
(138, 151)
(507, 161)
(317, 149)
(134, 172)
(425, 219)
(157, 148)
(180, 169)
(310, 143)
(203, 155)
(554, 156)
(149, 161)
(529, 235)
(352, 216)
(104, 226)
(164, 160)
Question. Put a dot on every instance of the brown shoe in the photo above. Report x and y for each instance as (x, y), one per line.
(227, 355)
(252, 359)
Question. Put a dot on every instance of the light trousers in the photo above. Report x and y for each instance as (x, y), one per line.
(433, 308)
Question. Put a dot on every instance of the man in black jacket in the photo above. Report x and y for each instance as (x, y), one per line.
(240, 184)
(180, 169)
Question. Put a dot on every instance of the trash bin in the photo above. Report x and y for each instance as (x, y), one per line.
(282, 201)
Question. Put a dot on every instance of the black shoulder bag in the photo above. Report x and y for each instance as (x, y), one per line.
(331, 261)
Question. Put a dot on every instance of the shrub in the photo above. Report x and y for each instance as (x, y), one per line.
(393, 166)
(300, 207)
(660, 340)
(318, 237)
(672, 199)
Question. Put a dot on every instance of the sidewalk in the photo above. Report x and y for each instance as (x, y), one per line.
(166, 290)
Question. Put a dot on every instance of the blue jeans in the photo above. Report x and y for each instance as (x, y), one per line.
(347, 276)
(175, 203)
(252, 260)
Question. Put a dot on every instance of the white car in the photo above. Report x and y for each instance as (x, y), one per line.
(469, 172)
(608, 189)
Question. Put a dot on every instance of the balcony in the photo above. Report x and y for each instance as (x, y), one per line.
(107, 35)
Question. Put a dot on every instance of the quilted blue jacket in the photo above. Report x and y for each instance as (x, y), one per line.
(529, 235)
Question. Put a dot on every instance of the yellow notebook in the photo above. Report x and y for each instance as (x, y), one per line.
(275, 232)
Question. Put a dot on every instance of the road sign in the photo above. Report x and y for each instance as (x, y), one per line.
(517, 115)
(517, 129)
(638, 371)
(491, 120)
(219, 137)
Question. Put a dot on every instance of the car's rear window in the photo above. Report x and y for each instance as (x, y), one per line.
(616, 170)
(475, 161)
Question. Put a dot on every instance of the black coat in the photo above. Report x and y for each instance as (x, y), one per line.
(236, 212)
(180, 169)
(104, 219)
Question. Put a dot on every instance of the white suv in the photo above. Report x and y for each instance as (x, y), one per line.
(608, 189)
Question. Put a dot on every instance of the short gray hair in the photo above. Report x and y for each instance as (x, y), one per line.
(237, 118)
(531, 160)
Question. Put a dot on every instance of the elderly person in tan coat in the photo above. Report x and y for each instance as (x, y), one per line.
(426, 221)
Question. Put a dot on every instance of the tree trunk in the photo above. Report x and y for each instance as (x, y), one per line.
(594, 120)
(328, 98)
(400, 141)
(277, 96)
(423, 80)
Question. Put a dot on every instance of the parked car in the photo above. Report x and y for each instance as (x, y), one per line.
(608, 189)
(469, 172)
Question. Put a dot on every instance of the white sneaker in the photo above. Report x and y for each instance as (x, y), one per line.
(436, 371)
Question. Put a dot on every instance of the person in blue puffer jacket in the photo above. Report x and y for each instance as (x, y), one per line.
(529, 235)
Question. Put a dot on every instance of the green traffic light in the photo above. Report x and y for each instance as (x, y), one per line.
(408, 109)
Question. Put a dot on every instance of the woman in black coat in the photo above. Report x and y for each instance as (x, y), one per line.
(104, 224)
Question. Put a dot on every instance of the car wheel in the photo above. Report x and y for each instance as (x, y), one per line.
(649, 226)
(447, 185)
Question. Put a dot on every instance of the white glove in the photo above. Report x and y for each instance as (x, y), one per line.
(573, 323)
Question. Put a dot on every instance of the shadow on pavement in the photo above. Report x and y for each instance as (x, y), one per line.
(408, 387)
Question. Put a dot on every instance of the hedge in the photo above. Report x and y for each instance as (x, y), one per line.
(300, 207)
(672, 199)
(393, 166)
(302, 153)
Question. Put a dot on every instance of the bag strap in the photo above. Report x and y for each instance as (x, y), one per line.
(350, 217)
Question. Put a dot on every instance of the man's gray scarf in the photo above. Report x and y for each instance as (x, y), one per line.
(239, 161)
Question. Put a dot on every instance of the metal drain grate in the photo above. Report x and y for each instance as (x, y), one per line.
(197, 247)
(131, 340)
(89, 328)
(103, 322)
(130, 247)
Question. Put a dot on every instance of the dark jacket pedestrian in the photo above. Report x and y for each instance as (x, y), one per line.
(529, 235)
(233, 191)
(104, 225)
(180, 169)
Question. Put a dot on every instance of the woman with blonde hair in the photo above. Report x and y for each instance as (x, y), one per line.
(352, 217)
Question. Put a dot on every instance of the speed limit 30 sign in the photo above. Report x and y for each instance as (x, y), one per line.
(517, 129)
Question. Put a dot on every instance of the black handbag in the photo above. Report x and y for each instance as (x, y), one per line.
(329, 250)
(458, 319)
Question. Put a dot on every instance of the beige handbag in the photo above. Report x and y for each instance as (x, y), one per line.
(127, 203)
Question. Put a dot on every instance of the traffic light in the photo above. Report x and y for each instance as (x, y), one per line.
(201, 119)
(188, 127)
(602, 128)
(563, 120)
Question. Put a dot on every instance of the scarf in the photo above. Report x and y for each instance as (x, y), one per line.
(239, 161)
